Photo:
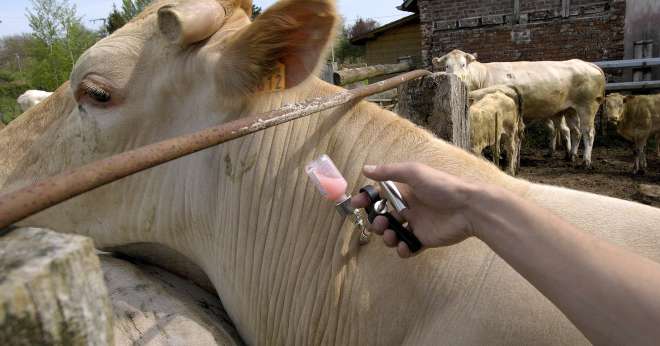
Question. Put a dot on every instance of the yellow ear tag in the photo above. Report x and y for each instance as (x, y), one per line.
(276, 81)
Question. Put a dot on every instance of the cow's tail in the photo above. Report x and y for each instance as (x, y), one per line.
(520, 103)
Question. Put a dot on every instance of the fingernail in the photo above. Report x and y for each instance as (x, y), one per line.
(369, 169)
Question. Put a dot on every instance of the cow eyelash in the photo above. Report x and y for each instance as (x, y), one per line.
(95, 92)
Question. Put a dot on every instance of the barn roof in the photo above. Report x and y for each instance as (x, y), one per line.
(409, 6)
(362, 39)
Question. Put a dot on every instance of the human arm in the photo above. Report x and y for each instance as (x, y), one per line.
(610, 294)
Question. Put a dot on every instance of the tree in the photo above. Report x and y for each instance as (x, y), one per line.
(361, 27)
(59, 40)
(345, 52)
(129, 9)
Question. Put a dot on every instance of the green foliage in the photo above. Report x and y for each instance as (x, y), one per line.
(129, 9)
(10, 88)
(60, 39)
(44, 59)
(345, 52)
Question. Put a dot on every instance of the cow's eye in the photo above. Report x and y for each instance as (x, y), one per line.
(95, 92)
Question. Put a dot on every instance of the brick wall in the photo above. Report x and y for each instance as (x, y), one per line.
(593, 29)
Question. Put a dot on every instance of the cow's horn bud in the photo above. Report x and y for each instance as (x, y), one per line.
(191, 22)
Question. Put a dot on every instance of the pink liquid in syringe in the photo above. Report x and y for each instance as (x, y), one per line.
(335, 188)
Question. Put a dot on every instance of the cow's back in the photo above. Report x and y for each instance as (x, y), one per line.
(549, 87)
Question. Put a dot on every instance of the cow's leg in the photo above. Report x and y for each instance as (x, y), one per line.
(511, 152)
(587, 116)
(552, 137)
(640, 148)
(573, 123)
(564, 132)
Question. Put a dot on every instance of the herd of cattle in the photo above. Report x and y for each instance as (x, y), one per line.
(565, 95)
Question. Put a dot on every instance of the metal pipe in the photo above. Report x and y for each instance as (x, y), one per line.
(20, 204)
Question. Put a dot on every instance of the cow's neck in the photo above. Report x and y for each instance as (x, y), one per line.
(267, 240)
(476, 76)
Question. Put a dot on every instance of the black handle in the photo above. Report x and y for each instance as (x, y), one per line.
(404, 234)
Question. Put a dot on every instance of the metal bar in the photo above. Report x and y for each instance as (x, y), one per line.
(566, 8)
(18, 205)
(634, 63)
(516, 12)
(633, 86)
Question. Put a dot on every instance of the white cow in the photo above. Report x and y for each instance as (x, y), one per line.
(637, 119)
(32, 98)
(495, 117)
(550, 89)
(288, 268)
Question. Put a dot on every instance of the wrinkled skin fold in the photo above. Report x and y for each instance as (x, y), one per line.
(288, 269)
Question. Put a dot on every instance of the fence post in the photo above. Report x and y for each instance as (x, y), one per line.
(52, 291)
(438, 102)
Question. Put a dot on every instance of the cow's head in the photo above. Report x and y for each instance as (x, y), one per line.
(455, 62)
(186, 58)
(180, 66)
(613, 107)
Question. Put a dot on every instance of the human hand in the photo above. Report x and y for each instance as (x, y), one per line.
(438, 204)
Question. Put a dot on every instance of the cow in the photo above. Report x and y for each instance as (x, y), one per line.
(637, 119)
(550, 89)
(287, 267)
(32, 98)
(495, 116)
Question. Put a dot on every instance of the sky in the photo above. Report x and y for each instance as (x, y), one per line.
(13, 20)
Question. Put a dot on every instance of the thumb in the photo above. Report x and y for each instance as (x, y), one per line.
(406, 173)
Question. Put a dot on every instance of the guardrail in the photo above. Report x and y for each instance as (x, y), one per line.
(634, 64)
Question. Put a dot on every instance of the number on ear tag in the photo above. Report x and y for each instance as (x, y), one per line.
(276, 81)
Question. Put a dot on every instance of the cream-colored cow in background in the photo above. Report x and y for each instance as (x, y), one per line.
(549, 89)
(288, 268)
(32, 98)
(495, 117)
(637, 119)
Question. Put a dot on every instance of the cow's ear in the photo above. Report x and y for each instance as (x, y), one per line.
(628, 98)
(471, 57)
(287, 42)
(439, 63)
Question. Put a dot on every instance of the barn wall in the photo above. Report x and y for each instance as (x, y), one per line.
(643, 23)
(405, 40)
(593, 31)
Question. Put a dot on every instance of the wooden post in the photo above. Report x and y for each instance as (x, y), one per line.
(345, 77)
(438, 102)
(52, 291)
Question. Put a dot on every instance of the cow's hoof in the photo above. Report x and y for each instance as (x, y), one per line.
(588, 166)
(639, 173)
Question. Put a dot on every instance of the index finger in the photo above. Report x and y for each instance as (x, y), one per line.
(407, 173)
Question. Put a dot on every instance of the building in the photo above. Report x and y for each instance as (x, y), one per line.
(388, 43)
(515, 30)
(512, 30)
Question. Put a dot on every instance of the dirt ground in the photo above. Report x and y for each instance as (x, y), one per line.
(612, 174)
